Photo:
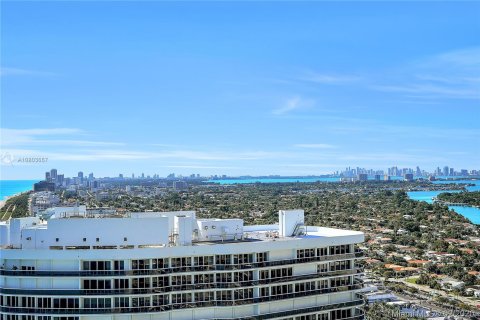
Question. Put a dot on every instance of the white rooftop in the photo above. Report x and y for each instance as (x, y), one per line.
(157, 229)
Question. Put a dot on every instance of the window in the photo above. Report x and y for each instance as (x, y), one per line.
(224, 277)
(56, 239)
(119, 265)
(28, 302)
(181, 280)
(264, 292)
(322, 284)
(97, 284)
(340, 265)
(340, 314)
(160, 300)
(182, 262)
(159, 263)
(124, 238)
(122, 302)
(243, 276)
(204, 296)
(121, 283)
(281, 273)
(305, 286)
(140, 283)
(322, 268)
(340, 281)
(305, 253)
(322, 252)
(28, 268)
(343, 249)
(223, 259)
(224, 295)
(264, 274)
(307, 317)
(141, 302)
(65, 303)
(203, 261)
(243, 294)
(160, 282)
(12, 301)
(262, 257)
(322, 316)
(44, 303)
(242, 258)
(140, 264)
(98, 239)
(96, 265)
(181, 298)
(282, 289)
(204, 279)
(84, 239)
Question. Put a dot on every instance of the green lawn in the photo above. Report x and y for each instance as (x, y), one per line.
(412, 280)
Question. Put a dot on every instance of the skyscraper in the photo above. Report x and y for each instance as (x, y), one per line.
(110, 268)
(53, 174)
(445, 171)
(418, 172)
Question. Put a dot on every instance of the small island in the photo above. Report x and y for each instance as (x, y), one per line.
(462, 198)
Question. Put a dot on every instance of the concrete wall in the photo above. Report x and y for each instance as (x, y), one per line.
(218, 229)
(288, 220)
(109, 231)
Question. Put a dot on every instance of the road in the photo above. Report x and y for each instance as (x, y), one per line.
(435, 292)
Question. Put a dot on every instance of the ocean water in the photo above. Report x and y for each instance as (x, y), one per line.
(476, 183)
(272, 180)
(472, 214)
(11, 187)
(426, 196)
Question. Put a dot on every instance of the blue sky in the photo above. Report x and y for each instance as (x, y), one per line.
(238, 88)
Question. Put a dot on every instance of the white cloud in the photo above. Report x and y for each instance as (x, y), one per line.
(432, 90)
(39, 137)
(200, 167)
(449, 75)
(292, 104)
(315, 146)
(119, 154)
(468, 57)
(329, 78)
(6, 71)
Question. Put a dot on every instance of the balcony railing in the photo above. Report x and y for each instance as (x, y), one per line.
(179, 289)
(176, 269)
(151, 309)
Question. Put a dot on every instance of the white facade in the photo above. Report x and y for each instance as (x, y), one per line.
(65, 212)
(174, 266)
(40, 201)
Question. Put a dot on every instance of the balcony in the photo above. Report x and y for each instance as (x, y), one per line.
(150, 309)
(169, 270)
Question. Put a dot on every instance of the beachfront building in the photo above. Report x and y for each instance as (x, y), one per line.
(41, 201)
(171, 265)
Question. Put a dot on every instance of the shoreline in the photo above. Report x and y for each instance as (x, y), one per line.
(4, 201)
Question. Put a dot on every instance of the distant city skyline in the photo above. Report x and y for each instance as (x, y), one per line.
(54, 175)
(254, 88)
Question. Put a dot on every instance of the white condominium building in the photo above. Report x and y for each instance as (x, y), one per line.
(171, 265)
